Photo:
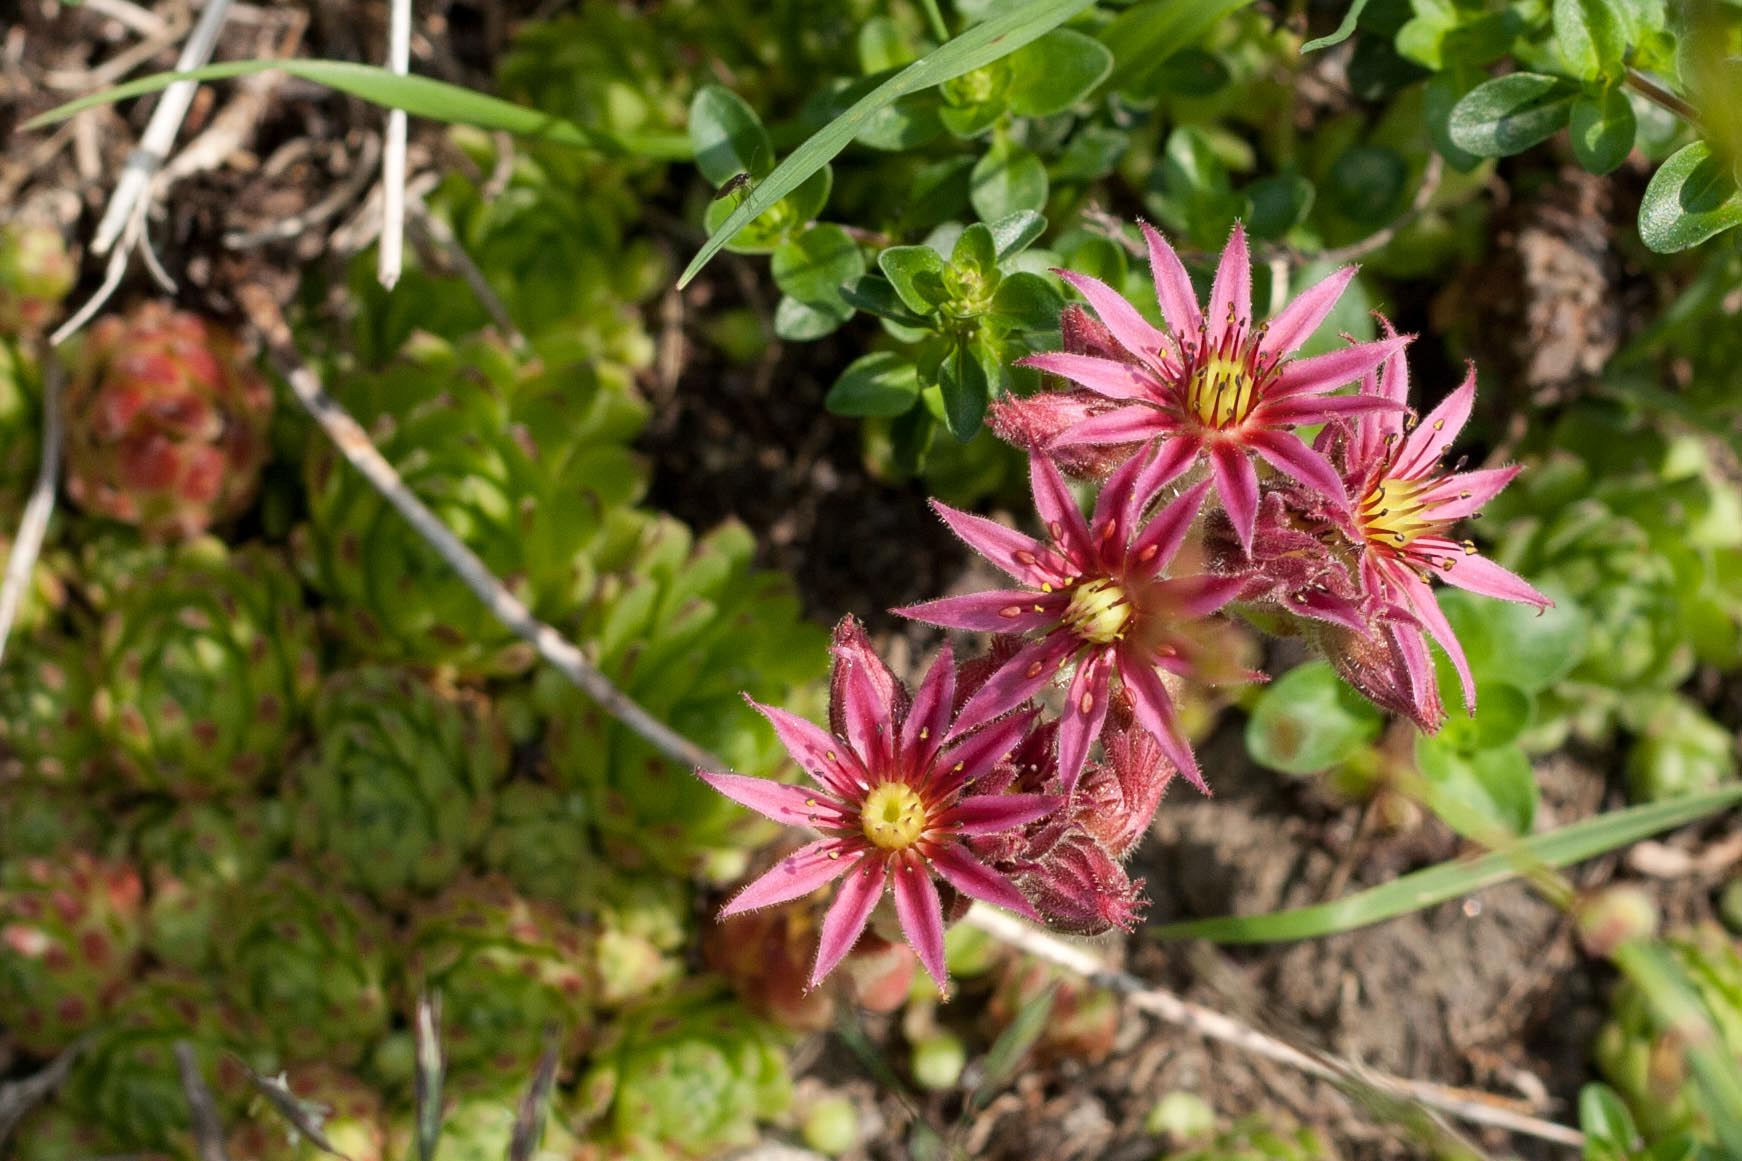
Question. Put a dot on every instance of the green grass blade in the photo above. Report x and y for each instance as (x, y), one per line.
(419, 96)
(980, 45)
(1556, 848)
(1145, 35)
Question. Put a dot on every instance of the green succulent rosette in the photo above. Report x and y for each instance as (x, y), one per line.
(479, 1126)
(541, 840)
(686, 1076)
(396, 793)
(55, 1132)
(46, 726)
(194, 855)
(70, 927)
(36, 272)
(351, 1116)
(518, 458)
(128, 1080)
(687, 629)
(644, 928)
(206, 665)
(1649, 1067)
(506, 968)
(38, 819)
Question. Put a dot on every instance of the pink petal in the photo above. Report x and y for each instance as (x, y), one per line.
(1173, 286)
(818, 753)
(1237, 488)
(928, 719)
(1418, 666)
(1155, 546)
(1117, 507)
(1002, 611)
(1173, 456)
(1058, 509)
(1389, 381)
(978, 881)
(984, 814)
(1134, 423)
(1323, 373)
(1287, 454)
(1085, 712)
(1303, 409)
(847, 917)
(921, 914)
(865, 698)
(1231, 294)
(1421, 602)
(1102, 376)
(790, 805)
(1022, 557)
(1424, 446)
(795, 876)
(1154, 711)
(1199, 595)
(1463, 494)
(1132, 330)
(1476, 573)
(972, 757)
(1300, 318)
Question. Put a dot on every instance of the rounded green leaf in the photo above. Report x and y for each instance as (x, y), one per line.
(1502, 712)
(879, 384)
(1591, 36)
(1691, 198)
(815, 265)
(1277, 204)
(728, 136)
(1509, 114)
(1309, 720)
(916, 273)
(1608, 1126)
(1028, 302)
(1498, 784)
(1055, 72)
(796, 321)
(1513, 643)
(1367, 182)
(1007, 180)
(1603, 128)
(1015, 233)
(966, 378)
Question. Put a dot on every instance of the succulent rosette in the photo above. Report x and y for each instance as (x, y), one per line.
(36, 272)
(39, 819)
(311, 958)
(397, 791)
(1215, 384)
(46, 724)
(898, 799)
(350, 1116)
(69, 942)
(685, 626)
(193, 855)
(166, 422)
(206, 664)
(55, 1132)
(128, 1079)
(1404, 507)
(642, 930)
(541, 840)
(1095, 592)
(518, 459)
(480, 1126)
(686, 1076)
(507, 968)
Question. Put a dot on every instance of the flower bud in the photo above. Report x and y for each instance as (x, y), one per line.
(1613, 916)
(1078, 887)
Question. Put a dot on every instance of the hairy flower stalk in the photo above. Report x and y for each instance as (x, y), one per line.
(898, 798)
(1214, 384)
(1095, 594)
(1404, 506)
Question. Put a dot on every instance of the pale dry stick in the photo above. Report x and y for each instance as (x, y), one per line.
(391, 256)
(27, 545)
(353, 443)
(1475, 1107)
(436, 235)
(202, 1111)
(20, 1096)
(140, 20)
(153, 149)
(337, 199)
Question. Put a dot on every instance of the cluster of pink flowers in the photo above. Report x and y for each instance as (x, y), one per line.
(965, 788)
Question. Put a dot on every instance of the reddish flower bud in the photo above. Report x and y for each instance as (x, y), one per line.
(1117, 799)
(1078, 887)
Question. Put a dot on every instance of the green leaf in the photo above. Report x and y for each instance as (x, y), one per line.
(1006, 180)
(1366, 184)
(419, 96)
(1502, 712)
(1055, 72)
(1603, 128)
(882, 383)
(966, 383)
(1015, 233)
(796, 321)
(976, 249)
(1007, 1053)
(1509, 114)
(1145, 35)
(979, 45)
(1591, 36)
(1343, 32)
(1691, 198)
(1607, 1125)
(1556, 848)
(728, 136)
(1309, 720)
(815, 265)
(1513, 643)
(1277, 204)
(1498, 783)
(1027, 302)
(916, 273)
(877, 296)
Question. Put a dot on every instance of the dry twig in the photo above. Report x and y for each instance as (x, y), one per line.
(202, 1111)
(392, 253)
(27, 545)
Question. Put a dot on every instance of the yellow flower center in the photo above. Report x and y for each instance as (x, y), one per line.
(1098, 612)
(1392, 513)
(1221, 390)
(894, 816)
